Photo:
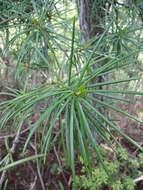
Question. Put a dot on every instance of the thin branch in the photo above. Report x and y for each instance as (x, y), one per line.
(13, 135)
(60, 164)
(138, 179)
(12, 150)
(4, 159)
(38, 168)
(33, 184)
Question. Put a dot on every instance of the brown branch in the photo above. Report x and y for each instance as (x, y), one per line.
(60, 164)
(13, 135)
(12, 150)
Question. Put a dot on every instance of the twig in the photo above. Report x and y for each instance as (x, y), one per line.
(3, 175)
(33, 184)
(138, 179)
(38, 168)
(12, 150)
(59, 162)
(12, 135)
(4, 159)
(70, 181)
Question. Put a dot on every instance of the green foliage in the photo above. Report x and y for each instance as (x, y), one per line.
(71, 87)
(117, 185)
(74, 100)
(121, 174)
(128, 183)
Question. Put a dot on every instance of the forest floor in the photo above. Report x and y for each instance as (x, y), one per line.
(27, 177)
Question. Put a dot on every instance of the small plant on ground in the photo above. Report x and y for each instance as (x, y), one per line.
(122, 173)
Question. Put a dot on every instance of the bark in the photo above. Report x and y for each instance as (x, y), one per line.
(90, 13)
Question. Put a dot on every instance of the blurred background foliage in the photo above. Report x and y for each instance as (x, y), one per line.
(33, 31)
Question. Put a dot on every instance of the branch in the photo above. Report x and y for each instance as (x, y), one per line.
(38, 167)
(60, 164)
(12, 150)
(138, 179)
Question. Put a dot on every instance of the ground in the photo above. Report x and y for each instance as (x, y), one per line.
(25, 176)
